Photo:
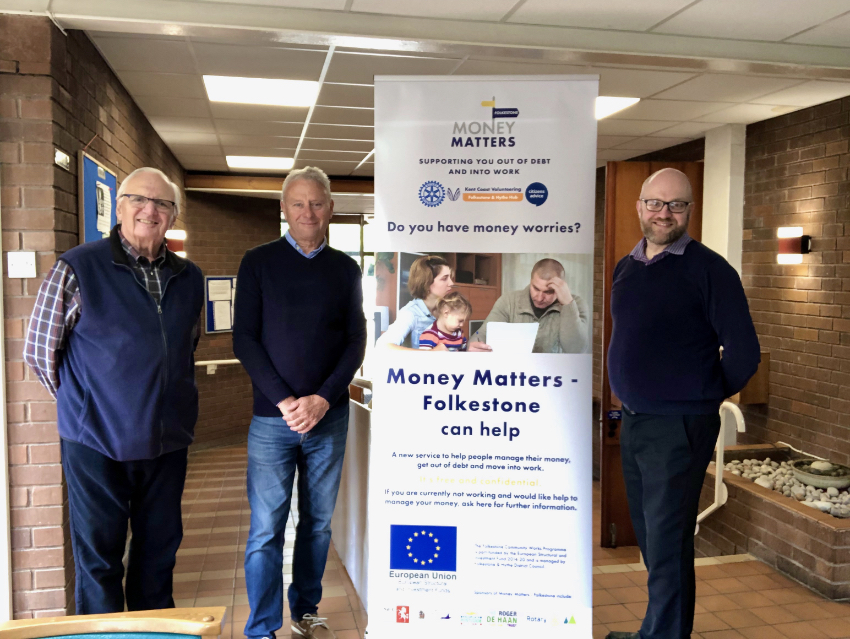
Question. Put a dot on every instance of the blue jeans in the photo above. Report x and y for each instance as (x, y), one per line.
(274, 452)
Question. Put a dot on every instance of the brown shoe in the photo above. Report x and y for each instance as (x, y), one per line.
(312, 627)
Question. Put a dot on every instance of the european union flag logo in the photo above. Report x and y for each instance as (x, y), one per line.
(423, 548)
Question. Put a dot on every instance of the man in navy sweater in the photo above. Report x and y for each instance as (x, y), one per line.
(300, 332)
(674, 304)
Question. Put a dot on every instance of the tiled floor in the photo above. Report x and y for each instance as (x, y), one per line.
(737, 597)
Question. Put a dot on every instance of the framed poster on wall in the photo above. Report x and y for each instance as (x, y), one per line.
(98, 188)
(220, 295)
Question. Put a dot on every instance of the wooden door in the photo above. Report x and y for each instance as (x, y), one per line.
(623, 181)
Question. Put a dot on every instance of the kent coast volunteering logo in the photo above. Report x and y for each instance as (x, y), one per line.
(423, 548)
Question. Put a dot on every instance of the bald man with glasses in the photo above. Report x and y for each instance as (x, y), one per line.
(674, 305)
(112, 338)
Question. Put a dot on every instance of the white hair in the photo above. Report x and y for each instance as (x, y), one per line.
(311, 173)
(165, 178)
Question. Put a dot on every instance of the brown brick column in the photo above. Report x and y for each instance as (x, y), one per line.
(55, 92)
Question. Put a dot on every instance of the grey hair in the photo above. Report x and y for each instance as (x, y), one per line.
(312, 173)
(166, 179)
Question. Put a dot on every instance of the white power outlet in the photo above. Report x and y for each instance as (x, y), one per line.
(21, 264)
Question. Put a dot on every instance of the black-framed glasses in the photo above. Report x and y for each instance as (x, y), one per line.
(675, 206)
(140, 201)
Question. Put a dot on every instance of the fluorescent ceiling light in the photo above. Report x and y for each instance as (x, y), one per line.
(789, 231)
(789, 258)
(292, 93)
(257, 162)
(175, 234)
(606, 105)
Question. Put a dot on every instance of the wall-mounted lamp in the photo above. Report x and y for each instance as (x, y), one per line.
(176, 241)
(792, 245)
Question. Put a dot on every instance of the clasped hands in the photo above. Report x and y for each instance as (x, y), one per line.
(303, 413)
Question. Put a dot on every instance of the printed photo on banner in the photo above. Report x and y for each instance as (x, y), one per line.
(500, 303)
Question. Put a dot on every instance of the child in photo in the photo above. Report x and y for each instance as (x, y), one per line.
(446, 333)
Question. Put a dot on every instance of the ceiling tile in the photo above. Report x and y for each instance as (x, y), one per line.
(770, 20)
(342, 156)
(354, 203)
(201, 163)
(342, 115)
(146, 54)
(324, 144)
(328, 166)
(341, 132)
(352, 95)
(258, 127)
(491, 10)
(829, 34)
(726, 88)
(332, 5)
(686, 130)
(651, 143)
(746, 114)
(189, 137)
(507, 67)
(259, 141)
(807, 94)
(261, 112)
(607, 141)
(174, 85)
(635, 83)
(633, 128)
(667, 110)
(260, 151)
(196, 150)
(173, 107)
(362, 68)
(610, 14)
(612, 155)
(195, 125)
(259, 62)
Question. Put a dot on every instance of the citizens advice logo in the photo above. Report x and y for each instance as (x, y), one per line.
(423, 548)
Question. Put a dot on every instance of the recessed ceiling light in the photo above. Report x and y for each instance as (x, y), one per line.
(175, 234)
(258, 162)
(292, 93)
(606, 105)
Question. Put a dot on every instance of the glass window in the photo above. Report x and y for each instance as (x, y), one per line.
(345, 238)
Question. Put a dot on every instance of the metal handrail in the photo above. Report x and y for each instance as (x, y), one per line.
(213, 364)
(721, 493)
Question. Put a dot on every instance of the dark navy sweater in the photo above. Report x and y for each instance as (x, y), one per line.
(669, 321)
(298, 325)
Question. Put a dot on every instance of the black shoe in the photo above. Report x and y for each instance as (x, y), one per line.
(622, 635)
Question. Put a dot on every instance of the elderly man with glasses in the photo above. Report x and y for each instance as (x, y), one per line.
(674, 304)
(112, 338)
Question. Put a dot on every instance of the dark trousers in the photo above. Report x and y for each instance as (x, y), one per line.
(664, 462)
(103, 494)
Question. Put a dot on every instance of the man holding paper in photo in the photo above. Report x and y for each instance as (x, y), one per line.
(563, 318)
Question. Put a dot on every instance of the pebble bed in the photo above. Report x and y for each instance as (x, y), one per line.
(779, 476)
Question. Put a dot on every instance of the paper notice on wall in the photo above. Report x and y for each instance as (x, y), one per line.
(104, 208)
(511, 339)
(222, 318)
(219, 290)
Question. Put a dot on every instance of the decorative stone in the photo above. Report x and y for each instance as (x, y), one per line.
(821, 465)
(832, 491)
(765, 482)
(798, 493)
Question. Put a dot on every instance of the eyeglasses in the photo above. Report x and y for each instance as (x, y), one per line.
(676, 206)
(140, 201)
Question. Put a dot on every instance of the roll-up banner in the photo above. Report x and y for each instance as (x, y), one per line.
(480, 517)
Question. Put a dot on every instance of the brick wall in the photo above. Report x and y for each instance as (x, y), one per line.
(54, 91)
(797, 175)
(220, 228)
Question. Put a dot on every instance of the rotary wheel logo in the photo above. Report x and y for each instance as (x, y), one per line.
(432, 194)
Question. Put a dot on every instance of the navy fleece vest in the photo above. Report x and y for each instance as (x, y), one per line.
(127, 379)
